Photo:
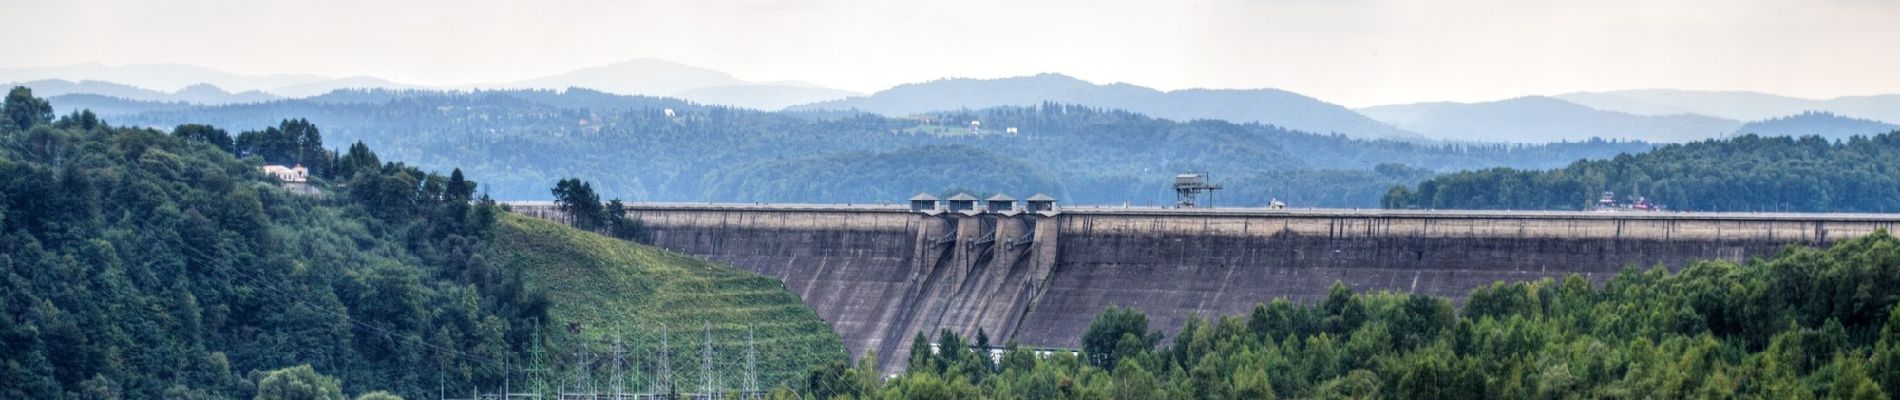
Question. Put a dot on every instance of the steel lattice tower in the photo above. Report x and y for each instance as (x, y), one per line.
(706, 367)
(751, 366)
(663, 374)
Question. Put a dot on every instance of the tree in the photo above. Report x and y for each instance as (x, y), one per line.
(833, 380)
(618, 224)
(305, 144)
(459, 189)
(379, 395)
(84, 120)
(1132, 382)
(1103, 338)
(1396, 197)
(454, 218)
(298, 383)
(921, 358)
(23, 111)
(1885, 365)
(205, 134)
(1358, 384)
(101, 388)
(1252, 383)
(358, 159)
(577, 199)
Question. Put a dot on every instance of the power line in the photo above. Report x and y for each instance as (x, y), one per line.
(661, 384)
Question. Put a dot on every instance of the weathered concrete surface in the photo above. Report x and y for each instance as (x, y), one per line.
(881, 274)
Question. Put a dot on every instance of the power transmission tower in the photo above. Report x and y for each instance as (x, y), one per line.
(663, 376)
(582, 381)
(619, 381)
(751, 366)
(706, 367)
(537, 368)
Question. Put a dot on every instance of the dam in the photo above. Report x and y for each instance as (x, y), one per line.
(878, 274)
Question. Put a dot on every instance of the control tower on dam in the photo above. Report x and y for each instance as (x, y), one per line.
(1039, 274)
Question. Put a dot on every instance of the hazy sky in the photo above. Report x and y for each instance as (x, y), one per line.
(1351, 52)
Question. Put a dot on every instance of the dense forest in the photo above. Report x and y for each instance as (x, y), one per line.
(153, 265)
(655, 149)
(1806, 324)
(138, 263)
(1744, 173)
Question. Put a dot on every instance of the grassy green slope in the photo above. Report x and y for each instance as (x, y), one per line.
(610, 287)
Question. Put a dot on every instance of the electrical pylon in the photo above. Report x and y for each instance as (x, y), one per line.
(751, 384)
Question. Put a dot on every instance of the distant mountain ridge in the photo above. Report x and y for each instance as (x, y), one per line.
(661, 78)
(331, 85)
(1535, 119)
(1811, 123)
(158, 77)
(646, 76)
(1667, 115)
(1736, 105)
(1266, 106)
(190, 84)
(202, 93)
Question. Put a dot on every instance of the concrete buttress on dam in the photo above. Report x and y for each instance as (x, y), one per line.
(881, 274)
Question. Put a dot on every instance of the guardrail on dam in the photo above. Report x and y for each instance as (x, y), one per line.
(879, 274)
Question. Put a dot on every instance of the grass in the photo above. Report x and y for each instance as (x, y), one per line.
(613, 288)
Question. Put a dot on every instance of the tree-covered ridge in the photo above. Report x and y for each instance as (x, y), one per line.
(136, 263)
(1808, 323)
(153, 265)
(632, 148)
(1811, 123)
(1744, 173)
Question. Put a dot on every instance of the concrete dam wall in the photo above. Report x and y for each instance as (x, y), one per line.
(880, 274)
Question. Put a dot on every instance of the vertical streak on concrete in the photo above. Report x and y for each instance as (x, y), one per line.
(996, 280)
(1043, 256)
(934, 244)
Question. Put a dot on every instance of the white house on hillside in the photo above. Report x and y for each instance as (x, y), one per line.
(296, 174)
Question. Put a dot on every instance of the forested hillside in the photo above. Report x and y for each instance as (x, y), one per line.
(632, 148)
(1824, 124)
(1745, 173)
(136, 263)
(1807, 324)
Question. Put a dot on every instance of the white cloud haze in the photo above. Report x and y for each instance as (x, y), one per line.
(1353, 52)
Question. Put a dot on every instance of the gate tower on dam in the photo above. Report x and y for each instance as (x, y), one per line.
(1038, 274)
